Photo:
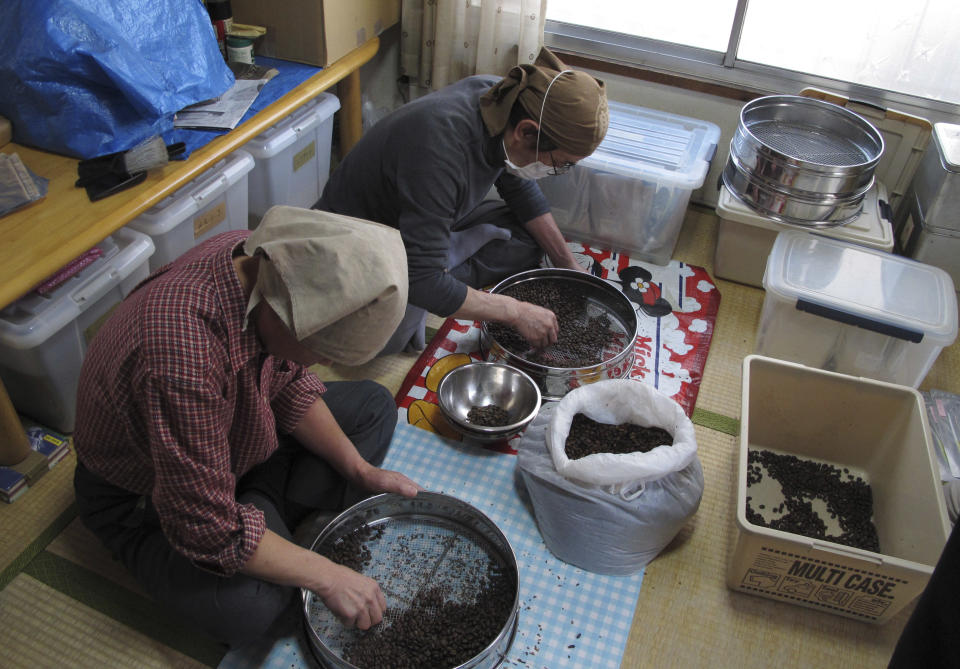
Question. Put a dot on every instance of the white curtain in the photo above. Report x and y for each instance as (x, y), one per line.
(443, 41)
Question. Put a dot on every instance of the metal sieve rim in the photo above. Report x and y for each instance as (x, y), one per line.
(798, 116)
(452, 511)
(631, 326)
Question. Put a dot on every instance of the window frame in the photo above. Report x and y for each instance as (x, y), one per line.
(726, 69)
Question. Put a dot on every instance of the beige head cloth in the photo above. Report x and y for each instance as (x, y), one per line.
(339, 283)
(575, 115)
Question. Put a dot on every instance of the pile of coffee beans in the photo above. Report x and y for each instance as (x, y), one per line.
(490, 415)
(582, 339)
(435, 631)
(351, 550)
(848, 499)
(587, 437)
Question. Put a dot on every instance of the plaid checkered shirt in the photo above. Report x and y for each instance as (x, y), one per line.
(177, 401)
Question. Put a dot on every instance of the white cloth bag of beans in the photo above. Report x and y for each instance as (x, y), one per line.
(615, 402)
(615, 524)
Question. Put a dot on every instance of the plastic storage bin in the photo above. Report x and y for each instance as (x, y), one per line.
(292, 158)
(874, 430)
(43, 340)
(632, 193)
(848, 308)
(745, 237)
(214, 202)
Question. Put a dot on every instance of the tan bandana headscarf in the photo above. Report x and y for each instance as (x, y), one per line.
(339, 283)
(574, 115)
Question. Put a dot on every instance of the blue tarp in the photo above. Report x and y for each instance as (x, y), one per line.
(87, 77)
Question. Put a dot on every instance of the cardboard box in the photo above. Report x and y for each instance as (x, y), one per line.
(317, 32)
(874, 429)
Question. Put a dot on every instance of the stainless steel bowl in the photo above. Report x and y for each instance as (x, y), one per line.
(801, 160)
(415, 544)
(602, 298)
(482, 384)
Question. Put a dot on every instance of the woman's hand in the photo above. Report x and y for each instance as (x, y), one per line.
(356, 600)
(569, 263)
(377, 480)
(538, 325)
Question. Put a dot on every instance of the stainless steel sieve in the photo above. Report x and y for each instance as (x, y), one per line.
(601, 299)
(415, 544)
(802, 161)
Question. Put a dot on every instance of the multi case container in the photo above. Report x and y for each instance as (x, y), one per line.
(214, 202)
(631, 194)
(930, 229)
(43, 340)
(872, 429)
(745, 237)
(292, 158)
(844, 307)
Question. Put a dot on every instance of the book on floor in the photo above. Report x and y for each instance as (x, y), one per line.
(12, 484)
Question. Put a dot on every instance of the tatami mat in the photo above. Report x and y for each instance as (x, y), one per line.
(686, 616)
(67, 603)
(945, 373)
(41, 627)
(35, 512)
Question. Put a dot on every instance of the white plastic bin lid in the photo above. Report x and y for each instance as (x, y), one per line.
(278, 137)
(947, 136)
(197, 194)
(863, 286)
(658, 146)
(31, 320)
(873, 227)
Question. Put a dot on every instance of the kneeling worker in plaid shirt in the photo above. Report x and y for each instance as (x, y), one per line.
(203, 439)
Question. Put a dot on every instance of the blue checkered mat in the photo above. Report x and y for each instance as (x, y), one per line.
(568, 617)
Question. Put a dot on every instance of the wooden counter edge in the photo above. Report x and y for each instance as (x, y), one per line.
(179, 174)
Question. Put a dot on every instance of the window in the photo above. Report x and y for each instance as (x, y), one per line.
(885, 50)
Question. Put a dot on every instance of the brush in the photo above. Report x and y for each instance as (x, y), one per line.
(109, 174)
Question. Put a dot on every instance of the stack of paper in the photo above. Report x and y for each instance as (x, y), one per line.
(943, 414)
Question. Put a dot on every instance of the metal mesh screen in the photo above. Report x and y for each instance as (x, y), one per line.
(808, 143)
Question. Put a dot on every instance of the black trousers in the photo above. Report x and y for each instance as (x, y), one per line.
(239, 609)
(930, 638)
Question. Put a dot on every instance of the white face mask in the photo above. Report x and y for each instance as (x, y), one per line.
(535, 170)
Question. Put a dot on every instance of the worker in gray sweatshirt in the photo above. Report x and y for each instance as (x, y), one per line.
(429, 168)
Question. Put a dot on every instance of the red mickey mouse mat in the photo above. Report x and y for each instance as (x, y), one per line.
(676, 308)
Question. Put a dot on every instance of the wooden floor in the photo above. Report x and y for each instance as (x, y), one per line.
(65, 603)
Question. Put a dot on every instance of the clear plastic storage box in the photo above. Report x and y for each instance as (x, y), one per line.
(745, 237)
(214, 202)
(632, 193)
(292, 158)
(865, 428)
(43, 339)
(843, 307)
